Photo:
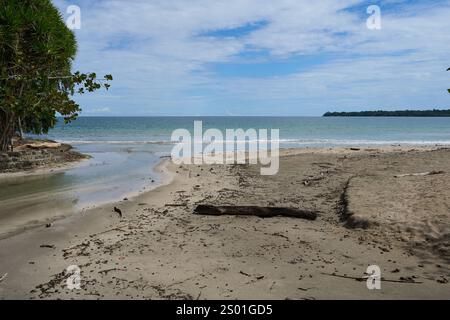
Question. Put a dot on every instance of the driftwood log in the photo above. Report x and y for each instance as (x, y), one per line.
(263, 212)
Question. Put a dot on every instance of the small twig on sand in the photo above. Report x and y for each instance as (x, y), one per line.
(366, 277)
(303, 289)
(50, 246)
(109, 270)
(3, 277)
(106, 231)
(117, 210)
(421, 174)
(176, 205)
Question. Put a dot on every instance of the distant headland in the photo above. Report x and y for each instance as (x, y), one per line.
(402, 113)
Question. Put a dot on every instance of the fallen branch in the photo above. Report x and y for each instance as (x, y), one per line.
(366, 277)
(431, 173)
(254, 211)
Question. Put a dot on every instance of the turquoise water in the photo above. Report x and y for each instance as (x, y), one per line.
(294, 131)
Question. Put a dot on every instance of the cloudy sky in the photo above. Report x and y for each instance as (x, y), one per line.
(261, 57)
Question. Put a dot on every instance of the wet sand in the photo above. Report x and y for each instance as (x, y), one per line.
(160, 250)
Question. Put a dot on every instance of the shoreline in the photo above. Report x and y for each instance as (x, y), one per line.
(147, 218)
(166, 178)
(61, 167)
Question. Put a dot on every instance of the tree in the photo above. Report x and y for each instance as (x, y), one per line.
(36, 82)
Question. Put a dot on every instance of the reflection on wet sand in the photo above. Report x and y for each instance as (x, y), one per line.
(113, 172)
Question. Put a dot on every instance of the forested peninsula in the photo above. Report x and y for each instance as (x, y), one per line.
(402, 113)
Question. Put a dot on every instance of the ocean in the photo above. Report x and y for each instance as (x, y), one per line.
(294, 131)
(125, 150)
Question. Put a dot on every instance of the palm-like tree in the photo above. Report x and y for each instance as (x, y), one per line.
(35, 45)
(36, 54)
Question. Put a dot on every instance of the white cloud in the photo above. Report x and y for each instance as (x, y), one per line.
(160, 62)
(99, 110)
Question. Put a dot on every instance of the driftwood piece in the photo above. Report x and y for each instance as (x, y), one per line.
(361, 279)
(255, 211)
(421, 174)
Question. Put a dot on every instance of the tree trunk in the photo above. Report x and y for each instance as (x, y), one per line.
(19, 123)
(6, 131)
(8, 124)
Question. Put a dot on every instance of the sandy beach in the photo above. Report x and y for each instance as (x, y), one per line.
(376, 206)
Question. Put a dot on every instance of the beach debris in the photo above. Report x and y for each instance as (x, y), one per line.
(50, 246)
(421, 174)
(48, 225)
(257, 277)
(255, 211)
(117, 210)
(307, 181)
(244, 273)
(442, 280)
(105, 272)
(176, 204)
(364, 278)
(355, 149)
(3, 277)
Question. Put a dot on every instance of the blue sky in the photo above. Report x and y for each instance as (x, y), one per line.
(261, 57)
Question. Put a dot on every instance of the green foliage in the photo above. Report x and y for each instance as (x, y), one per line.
(36, 83)
(380, 113)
